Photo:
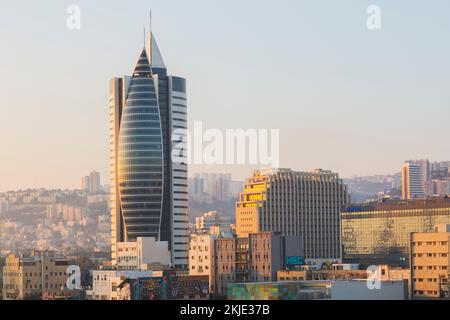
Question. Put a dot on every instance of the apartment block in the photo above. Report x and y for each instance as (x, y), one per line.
(430, 262)
(255, 258)
(40, 275)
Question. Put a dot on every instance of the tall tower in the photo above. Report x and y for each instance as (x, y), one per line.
(148, 119)
(416, 179)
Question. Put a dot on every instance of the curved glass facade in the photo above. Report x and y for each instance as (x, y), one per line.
(140, 156)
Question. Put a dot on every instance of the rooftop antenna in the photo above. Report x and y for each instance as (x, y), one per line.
(144, 35)
(150, 21)
(151, 48)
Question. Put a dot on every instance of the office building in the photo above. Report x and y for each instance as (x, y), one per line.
(305, 204)
(147, 128)
(416, 179)
(430, 263)
(378, 233)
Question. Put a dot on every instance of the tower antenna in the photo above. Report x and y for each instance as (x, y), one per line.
(144, 35)
(150, 21)
(150, 39)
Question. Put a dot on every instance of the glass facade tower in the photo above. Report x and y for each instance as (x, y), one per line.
(148, 189)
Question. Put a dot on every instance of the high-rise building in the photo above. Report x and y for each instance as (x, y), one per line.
(86, 183)
(416, 179)
(91, 183)
(148, 124)
(94, 182)
(305, 204)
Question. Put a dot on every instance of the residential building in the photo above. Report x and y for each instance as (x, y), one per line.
(379, 233)
(40, 275)
(201, 256)
(430, 263)
(86, 183)
(94, 182)
(148, 116)
(305, 204)
(255, 258)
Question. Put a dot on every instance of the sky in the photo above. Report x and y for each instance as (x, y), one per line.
(345, 98)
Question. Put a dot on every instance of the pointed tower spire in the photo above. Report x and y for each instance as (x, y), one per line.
(154, 55)
(143, 65)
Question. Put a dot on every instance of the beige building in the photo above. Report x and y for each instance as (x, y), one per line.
(305, 204)
(230, 263)
(201, 255)
(37, 276)
(430, 263)
(256, 258)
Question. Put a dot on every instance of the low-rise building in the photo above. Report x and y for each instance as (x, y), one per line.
(40, 275)
(379, 233)
(318, 289)
(148, 285)
(105, 284)
(430, 262)
(132, 255)
(255, 258)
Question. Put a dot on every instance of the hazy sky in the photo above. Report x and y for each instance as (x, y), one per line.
(345, 98)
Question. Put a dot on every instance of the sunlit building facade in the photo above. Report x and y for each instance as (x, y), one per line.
(379, 233)
(304, 204)
(430, 263)
(148, 120)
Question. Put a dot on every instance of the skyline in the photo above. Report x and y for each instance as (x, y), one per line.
(367, 92)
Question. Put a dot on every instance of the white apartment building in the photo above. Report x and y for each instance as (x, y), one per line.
(134, 254)
(201, 255)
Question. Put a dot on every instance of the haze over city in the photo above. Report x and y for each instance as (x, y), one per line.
(344, 98)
